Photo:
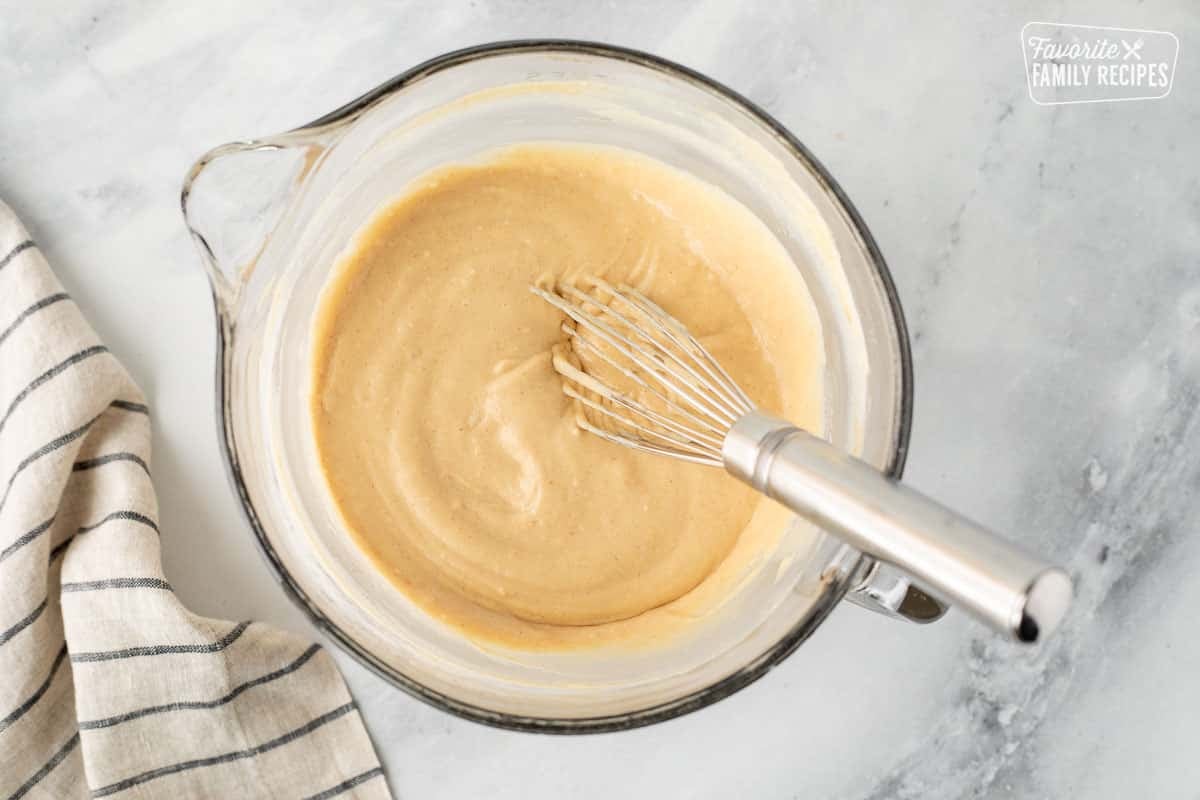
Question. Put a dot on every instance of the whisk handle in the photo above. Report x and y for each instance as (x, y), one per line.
(962, 562)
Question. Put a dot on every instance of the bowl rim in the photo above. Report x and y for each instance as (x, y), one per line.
(772, 655)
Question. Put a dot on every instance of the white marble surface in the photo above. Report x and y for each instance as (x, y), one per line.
(1047, 258)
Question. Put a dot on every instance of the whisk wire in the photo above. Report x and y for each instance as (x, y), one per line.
(568, 370)
(671, 405)
(638, 356)
(692, 401)
(679, 334)
(710, 453)
(719, 401)
(648, 447)
(649, 361)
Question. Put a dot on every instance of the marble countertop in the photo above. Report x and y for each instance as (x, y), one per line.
(1047, 258)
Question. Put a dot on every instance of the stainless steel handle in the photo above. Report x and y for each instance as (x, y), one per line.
(886, 590)
(962, 562)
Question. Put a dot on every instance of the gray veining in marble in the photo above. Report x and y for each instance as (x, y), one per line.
(1048, 261)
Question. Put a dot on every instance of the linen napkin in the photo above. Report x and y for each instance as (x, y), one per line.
(109, 687)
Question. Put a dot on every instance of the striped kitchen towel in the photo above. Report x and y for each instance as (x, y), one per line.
(109, 687)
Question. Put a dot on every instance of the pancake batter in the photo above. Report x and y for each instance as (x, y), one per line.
(442, 431)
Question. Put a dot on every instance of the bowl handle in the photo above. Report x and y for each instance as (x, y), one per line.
(234, 197)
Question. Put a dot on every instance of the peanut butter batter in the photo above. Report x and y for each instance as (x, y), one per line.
(442, 431)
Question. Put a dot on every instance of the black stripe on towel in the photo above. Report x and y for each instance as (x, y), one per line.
(235, 755)
(57, 369)
(129, 405)
(99, 461)
(47, 768)
(33, 309)
(131, 516)
(108, 722)
(163, 649)
(117, 583)
(24, 623)
(345, 786)
(26, 538)
(45, 449)
(20, 710)
(25, 245)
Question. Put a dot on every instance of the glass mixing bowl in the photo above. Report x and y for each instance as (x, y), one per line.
(270, 217)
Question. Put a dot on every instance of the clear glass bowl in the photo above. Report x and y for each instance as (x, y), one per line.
(270, 217)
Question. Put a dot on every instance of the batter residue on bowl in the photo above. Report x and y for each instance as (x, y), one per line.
(447, 445)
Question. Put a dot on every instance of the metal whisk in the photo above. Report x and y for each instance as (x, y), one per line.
(676, 400)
